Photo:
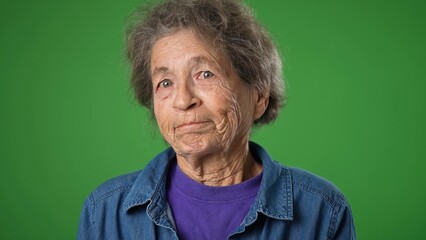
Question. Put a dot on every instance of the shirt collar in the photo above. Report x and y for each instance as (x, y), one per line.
(150, 185)
(275, 197)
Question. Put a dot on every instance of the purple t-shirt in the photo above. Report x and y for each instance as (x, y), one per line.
(205, 212)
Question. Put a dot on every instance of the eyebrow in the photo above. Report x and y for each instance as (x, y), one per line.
(159, 70)
(200, 60)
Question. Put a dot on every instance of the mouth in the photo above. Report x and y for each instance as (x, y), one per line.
(191, 125)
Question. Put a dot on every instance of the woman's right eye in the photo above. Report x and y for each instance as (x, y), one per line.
(165, 83)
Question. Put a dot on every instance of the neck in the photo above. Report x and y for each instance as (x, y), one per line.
(223, 169)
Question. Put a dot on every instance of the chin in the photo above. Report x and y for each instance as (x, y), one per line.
(195, 146)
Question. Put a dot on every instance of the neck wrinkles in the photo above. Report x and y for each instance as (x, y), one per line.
(225, 169)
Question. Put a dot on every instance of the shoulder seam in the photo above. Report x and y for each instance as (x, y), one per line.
(336, 205)
(333, 203)
(333, 220)
(95, 200)
(110, 193)
(92, 209)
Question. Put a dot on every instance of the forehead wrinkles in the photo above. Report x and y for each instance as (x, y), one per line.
(208, 51)
(161, 63)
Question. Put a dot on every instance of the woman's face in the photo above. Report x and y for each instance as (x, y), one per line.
(200, 104)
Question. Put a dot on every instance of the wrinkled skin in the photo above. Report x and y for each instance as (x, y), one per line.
(204, 111)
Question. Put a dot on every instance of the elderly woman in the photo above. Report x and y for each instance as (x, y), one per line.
(209, 72)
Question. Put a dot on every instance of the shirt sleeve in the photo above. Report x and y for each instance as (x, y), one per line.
(345, 227)
(86, 228)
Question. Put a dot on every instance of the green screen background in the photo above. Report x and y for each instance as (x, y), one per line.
(355, 72)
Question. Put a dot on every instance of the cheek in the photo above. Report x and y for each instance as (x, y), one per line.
(163, 119)
(224, 102)
(235, 101)
(229, 112)
(240, 111)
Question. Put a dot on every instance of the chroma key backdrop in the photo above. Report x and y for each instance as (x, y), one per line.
(356, 114)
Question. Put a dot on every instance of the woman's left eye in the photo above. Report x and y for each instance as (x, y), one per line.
(206, 75)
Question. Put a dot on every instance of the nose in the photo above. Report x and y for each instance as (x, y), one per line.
(185, 98)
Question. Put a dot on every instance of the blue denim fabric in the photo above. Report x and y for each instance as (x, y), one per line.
(291, 204)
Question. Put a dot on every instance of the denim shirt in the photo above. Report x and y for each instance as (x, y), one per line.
(291, 204)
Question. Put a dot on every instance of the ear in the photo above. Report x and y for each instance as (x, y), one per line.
(261, 103)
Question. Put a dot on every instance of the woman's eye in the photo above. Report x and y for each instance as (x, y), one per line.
(165, 83)
(206, 75)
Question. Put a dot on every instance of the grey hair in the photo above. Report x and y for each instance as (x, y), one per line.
(228, 25)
